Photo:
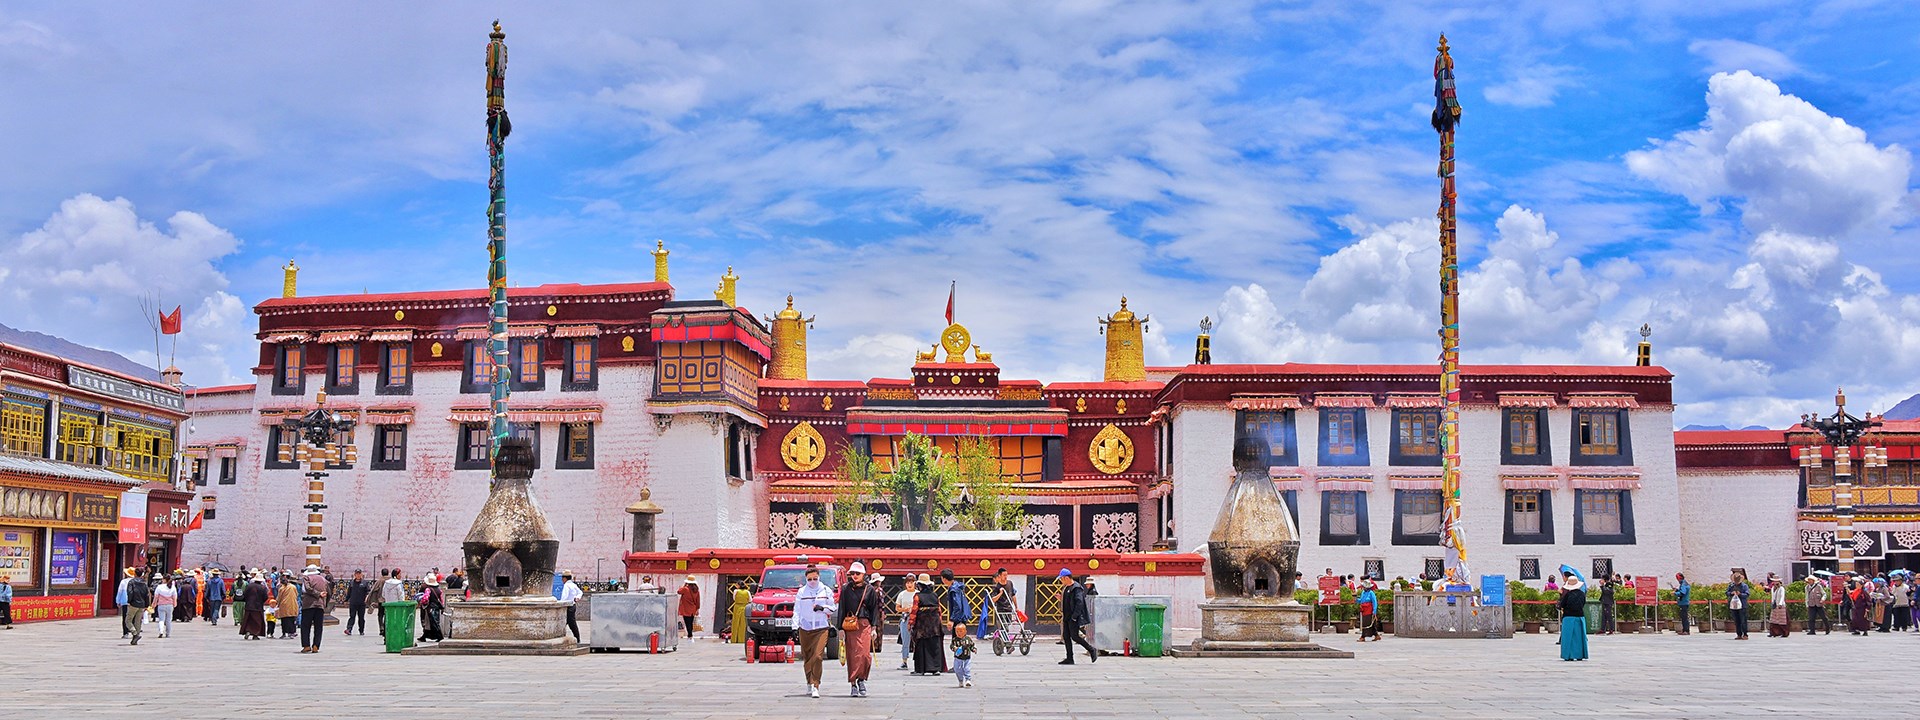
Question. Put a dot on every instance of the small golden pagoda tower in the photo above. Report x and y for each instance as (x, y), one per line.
(291, 274)
(728, 283)
(1126, 345)
(660, 261)
(789, 344)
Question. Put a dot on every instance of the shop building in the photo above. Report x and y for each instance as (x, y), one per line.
(86, 456)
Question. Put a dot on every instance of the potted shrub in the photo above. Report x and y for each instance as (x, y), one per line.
(1385, 598)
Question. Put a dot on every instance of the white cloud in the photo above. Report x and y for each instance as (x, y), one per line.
(81, 276)
(1532, 86)
(1733, 55)
(1793, 167)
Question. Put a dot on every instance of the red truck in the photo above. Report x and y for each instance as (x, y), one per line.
(770, 613)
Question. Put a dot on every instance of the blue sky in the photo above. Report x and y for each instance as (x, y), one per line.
(1734, 173)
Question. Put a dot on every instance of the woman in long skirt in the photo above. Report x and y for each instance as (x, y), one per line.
(926, 630)
(1777, 616)
(253, 609)
(1573, 619)
(1369, 602)
(1860, 621)
(860, 602)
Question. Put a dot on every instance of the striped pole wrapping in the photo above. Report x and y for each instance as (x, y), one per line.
(497, 129)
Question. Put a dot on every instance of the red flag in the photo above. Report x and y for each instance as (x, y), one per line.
(170, 322)
(950, 289)
(195, 525)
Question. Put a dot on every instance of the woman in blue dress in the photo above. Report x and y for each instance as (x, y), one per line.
(1573, 618)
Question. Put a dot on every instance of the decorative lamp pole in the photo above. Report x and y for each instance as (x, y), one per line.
(1446, 114)
(319, 437)
(1841, 430)
(497, 129)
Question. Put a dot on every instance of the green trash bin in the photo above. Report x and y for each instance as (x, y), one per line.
(1149, 629)
(400, 624)
(1593, 617)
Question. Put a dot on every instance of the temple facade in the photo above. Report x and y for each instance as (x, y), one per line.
(714, 410)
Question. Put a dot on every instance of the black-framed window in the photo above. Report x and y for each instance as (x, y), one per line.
(576, 446)
(476, 374)
(1374, 568)
(1416, 437)
(207, 513)
(199, 472)
(345, 439)
(1603, 517)
(530, 431)
(229, 471)
(1416, 517)
(1343, 518)
(733, 449)
(396, 369)
(1523, 437)
(1529, 517)
(389, 447)
(343, 369)
(1602, 567)
(1273, 432)
(1053, 466)
(1343, 436)
(1293, 505)
(1600, 437)
(289, 370)
(278, 438)
(473, 448)
(526, 354)
(1434, 569)
(582, 371)
(1529, 568)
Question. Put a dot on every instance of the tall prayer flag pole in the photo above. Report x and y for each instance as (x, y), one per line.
(1446, 114)
(497, 129)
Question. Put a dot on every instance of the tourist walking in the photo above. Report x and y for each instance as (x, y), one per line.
(6, 605)
(1901, 604)
(216, 592)
(570, 594)
(813, 608)
(1777, 612)
(314, 588)
(1682, 601)
(392, 590)
(359, 588)
(1075, 615)
(690, 604)
(1816, 596)
(286, 607)
(963, 647)
(1737, 596)
(166, 599)
(860, 618)
(1605, 588)
(182, 588)
(432, 603)
(1000, 599)
(120, 601)
(1369, 603)
(903, 604)
(134, 609)
(252, 612)
(1573, 618)
(959, 608)
(926, 628)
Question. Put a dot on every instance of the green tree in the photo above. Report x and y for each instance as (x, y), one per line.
(990, 504)
(922, 485)
(859, 485)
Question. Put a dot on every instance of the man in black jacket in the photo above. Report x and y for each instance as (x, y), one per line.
(139, 596)
(358, 589)
(1075, 615)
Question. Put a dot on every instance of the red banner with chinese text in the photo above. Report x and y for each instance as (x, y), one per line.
(1330, 590)
(1645, 589)
(58, 607)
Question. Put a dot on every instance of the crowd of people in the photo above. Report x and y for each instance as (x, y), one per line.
(273, 603)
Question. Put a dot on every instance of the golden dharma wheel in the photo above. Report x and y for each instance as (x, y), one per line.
(1039, 564)
(1093, 564)
(984, 564)
(714, 563)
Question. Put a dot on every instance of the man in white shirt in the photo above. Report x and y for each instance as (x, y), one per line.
(813, 609)
(903, 604)
(570, 594)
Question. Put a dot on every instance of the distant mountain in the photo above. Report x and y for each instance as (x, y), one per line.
(96, 357)
(1908, 409)
(1704, 427)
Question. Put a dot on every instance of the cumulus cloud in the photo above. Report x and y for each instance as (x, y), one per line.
(1733, 55)
(83, 273)
(1790, 166)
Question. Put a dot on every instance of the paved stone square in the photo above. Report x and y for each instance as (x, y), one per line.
(83, 669)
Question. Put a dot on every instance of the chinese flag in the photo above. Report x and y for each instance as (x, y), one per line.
(195, 525)
(170, 322)
(950, 289)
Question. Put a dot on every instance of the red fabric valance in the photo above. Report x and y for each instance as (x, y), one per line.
(1603, 400)
(1527, 400)
(1265, 402)
(1343, 400)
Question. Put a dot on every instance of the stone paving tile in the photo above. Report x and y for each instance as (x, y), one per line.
(83, 669)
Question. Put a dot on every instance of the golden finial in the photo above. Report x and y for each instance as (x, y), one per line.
(290, 274)
(660, 253)
(496, 30)
(726, 293)
(789, 360)
(1443, 43)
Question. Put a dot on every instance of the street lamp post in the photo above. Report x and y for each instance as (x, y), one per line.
(318, 435)
(1841, 430)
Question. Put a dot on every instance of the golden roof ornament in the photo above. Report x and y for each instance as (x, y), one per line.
(1126, 351)
(789, 344)
(660, 254)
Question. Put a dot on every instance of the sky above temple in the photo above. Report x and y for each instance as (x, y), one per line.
(1735, 174)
